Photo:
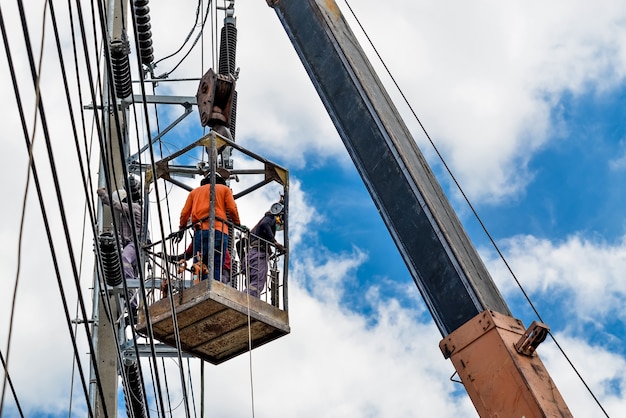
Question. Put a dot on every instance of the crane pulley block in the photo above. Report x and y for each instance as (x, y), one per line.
(215, 98)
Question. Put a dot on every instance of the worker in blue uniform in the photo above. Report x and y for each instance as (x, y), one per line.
(262, 236)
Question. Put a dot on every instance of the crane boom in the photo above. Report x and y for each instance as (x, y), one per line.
(460, 294)
(444, 264)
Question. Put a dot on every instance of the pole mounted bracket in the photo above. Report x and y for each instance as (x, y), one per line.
(533, 336)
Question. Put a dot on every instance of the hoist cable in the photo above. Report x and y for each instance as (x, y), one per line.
(193, 398)
(167, 386)
(152, 346)
(246, 281)
(202, 389)
(250, 353)
(478, 218)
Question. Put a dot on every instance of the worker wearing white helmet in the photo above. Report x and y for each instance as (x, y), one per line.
(128, 209)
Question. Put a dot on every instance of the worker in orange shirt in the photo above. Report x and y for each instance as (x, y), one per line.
(197, 209)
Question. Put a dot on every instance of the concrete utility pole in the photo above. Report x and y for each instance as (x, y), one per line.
(106, 345)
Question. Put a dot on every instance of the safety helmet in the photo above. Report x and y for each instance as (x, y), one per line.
(135, 186)
(119, 195)
(219, 178)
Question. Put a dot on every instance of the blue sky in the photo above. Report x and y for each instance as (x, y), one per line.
(524, 100)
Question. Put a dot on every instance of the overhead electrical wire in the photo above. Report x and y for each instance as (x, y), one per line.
(109, 179)
(87, 187)
(162, 232)
(9, 381)
(167, 74)
(87, 148)
(31, 163)
(193, 29)
(108, 314)
(53, 165)
(108, 176)
(476, 215)
(33, 166)
(23, 213)
(102, 289)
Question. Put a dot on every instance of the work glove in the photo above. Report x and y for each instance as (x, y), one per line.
(178, 236)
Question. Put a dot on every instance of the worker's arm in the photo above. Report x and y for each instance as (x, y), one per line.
(186, 212)
(104, 196)
(231, 208)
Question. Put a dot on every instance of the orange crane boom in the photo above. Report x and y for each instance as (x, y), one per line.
(492, 352)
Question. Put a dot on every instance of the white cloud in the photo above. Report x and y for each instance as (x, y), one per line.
(484, 78)
(619, 162)
(602, 370)
(585, 272)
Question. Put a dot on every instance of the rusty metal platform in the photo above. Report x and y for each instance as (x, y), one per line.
(213, 324)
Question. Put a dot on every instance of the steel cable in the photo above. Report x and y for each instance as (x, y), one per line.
(474, 212)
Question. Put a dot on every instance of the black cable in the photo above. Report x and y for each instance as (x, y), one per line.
(167, 74)
(167, 387)
(42, 114)
(160, 215)
(108, 176)
(193, 398)
(193, 28)
(478, 218)
(33, 168)
(87, 193)
(82, 169)
(104, 168)
(4, 365)
(101, 288)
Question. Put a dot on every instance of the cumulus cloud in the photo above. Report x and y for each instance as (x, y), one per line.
(486, 79)
(602, 370)
(588, 272)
